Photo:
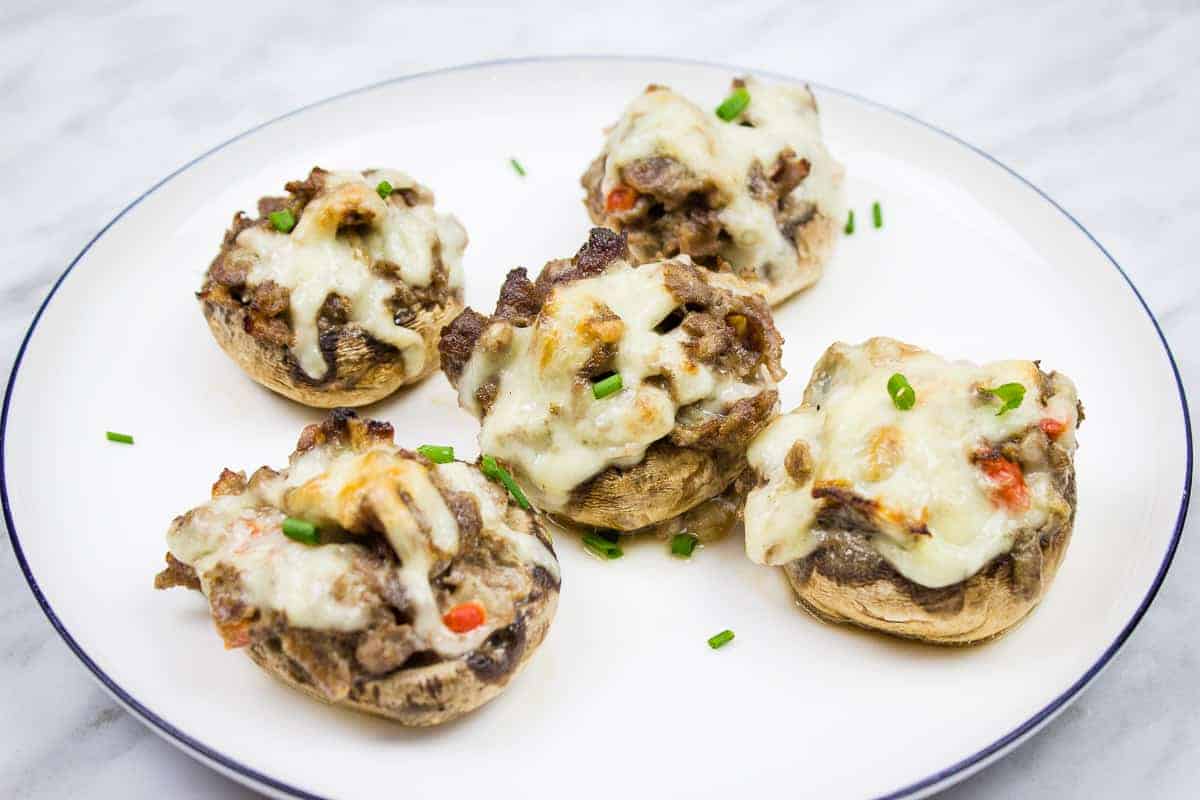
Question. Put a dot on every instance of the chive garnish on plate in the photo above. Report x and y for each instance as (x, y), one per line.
(498, 473)
(606, 386)
(283, 221)
(1011, 395)
(516, 165)
(602, 547)
(438, 454)
(721, 639)
(734, 105)
(385, 189)
(683, 545)
(902, 392)
(849, 229)
(300, 530)
(121, 438)
(877, 214)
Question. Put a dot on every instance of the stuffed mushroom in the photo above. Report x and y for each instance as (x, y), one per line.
(620, 394)
(368, 576)
(924, 498)
(750, 189)
(335, 294)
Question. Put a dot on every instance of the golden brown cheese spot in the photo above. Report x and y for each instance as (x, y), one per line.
(351, 489)
(896, 520)
(495, 338)
(549, 347)
(342, 589)
(647, 412)
(738, 323)
(799, 463)
(229, 483)
(882, 351)
(604, 328)
(885, 449)
(351, 204)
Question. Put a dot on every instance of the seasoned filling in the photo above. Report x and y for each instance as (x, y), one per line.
(938, 487)
(759, 194)
(337, 252)
(416, 562)
(601, 358)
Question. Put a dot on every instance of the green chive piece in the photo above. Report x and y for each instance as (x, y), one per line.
(283, 221)
(849, 229)
(612, 537)
(683, 544)
(438, 454)
(606, 386)
(498, 473)
(516, 165)
(877, 213)
(721, 639)
(123, 438)
(385, 189)
(602, 547)
(300, 530)
(1012, 395)
(903, 394)
(734, 105)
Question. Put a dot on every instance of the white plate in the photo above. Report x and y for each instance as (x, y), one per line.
(624, 698)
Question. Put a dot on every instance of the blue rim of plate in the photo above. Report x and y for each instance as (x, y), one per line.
(937, 780)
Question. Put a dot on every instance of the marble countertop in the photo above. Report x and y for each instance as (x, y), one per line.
(1095, 104)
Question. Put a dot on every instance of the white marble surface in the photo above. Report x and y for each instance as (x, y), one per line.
(1096, 103)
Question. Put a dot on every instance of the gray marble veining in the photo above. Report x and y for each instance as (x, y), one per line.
(1094, 102)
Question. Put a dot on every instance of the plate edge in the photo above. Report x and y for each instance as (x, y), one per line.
(939, 780)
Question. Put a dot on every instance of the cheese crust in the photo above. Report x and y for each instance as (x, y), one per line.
(345, 307)
(361, 618)
(945, 521)
(697, 355)
(758, 195)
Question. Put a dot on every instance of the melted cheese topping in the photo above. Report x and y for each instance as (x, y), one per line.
(276, 572)
(545, 421)
(315, 260)
(323, 587)
(915, 464)
(662, 123)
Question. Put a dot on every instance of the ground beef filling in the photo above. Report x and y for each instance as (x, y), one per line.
(521, 299)
(732, 332)
(675, 212)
